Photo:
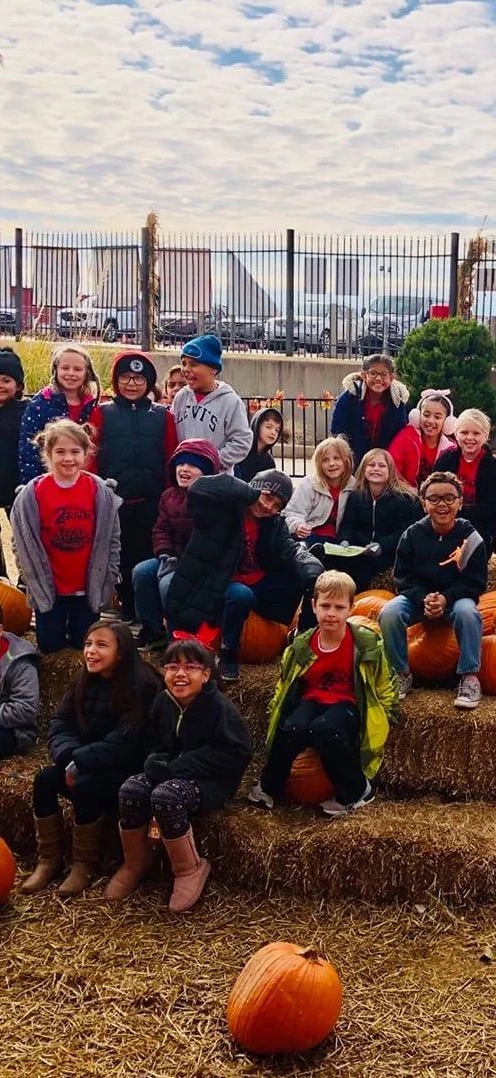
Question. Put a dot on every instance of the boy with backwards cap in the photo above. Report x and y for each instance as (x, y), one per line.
(209, 408)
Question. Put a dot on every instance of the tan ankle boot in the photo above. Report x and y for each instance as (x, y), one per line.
(49, 838)
(138, 859)
(86, 843)
(190, 871)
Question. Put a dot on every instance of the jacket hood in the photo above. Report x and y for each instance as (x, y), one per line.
(201, 448)
(18, 648)
(355, 385)
(222, 389)
(259, 417)
(142, 365)
(49, 393)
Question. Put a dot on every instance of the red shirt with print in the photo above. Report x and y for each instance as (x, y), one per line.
(467, 474)
(249, 571)
(374, 412)
(330, 679)
(67, 528)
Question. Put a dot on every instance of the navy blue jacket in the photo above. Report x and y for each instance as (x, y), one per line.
(133, 447)
(44, 407)
(348, 417)
(10, 422)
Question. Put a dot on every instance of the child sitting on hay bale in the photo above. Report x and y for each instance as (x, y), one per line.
(201, 748)
(19, 693)
(335, 694)
(472, 461)
(95, 740)
(440, 573)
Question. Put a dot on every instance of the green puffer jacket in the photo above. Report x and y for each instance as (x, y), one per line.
(375, 686)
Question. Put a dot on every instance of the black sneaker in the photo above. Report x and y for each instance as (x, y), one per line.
(151, 640)
(228, 665)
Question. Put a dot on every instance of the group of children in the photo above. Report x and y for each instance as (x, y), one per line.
(179, 508)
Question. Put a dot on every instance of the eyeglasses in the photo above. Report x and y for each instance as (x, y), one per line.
(376, 375)
(436, 499)
(189, 668)
(129, 379)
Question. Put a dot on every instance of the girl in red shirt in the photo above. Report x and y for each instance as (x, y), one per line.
(67, 538)
(473, 462)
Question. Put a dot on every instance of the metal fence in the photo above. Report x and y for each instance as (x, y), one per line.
(334, 295)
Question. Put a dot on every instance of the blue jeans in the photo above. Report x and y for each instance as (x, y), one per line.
(65, 625)
(464, 616)
(150, 594)
(276, 596)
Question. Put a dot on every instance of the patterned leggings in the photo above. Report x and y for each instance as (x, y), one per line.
(173, 803)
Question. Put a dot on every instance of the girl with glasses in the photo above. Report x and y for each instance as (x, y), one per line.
(371, 410)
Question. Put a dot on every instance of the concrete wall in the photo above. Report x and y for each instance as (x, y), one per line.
(255, 375)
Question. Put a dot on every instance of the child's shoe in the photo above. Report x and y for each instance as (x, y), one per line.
(469, 691)
(151, 640)
(405, 684)
(258, 797)
(228, 665)
(334, 809)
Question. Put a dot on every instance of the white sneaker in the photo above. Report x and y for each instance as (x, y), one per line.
(258, 797)
(334, 808)
(469, 691)
(405, 684)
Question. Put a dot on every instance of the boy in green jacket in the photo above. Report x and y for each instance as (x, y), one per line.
(335, 694)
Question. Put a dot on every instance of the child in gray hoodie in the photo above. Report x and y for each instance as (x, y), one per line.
(19, 693)
(208, 408)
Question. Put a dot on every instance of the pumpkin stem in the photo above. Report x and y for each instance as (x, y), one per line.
(311, 955)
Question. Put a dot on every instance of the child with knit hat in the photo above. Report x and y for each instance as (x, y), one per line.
(151, 579)
(11, 412)
(209, 408)
(73, 393)
(428, 433)
(136, 438)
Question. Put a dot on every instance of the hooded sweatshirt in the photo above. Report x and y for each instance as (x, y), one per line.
(19, 691)
(220, 417)
(349, 418)
(174, 525)
(258, 461)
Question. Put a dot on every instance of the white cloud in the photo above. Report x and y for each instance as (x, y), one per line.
(109, 109)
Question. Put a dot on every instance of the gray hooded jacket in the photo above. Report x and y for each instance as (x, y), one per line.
(220, 418)
(19, 691)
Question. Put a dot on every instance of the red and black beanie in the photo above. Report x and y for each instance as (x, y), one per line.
(134, 363)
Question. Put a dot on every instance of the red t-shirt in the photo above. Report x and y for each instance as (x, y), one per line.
(67, 528)
(428, 454)
(249, 571)
(467, 474)
(374, 411)
(330, 678)
(328, 529)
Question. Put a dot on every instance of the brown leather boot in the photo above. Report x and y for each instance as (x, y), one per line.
(190, 871)
(86, 843)
(49, 839)
(138, 859)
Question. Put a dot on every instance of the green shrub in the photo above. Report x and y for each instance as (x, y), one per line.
(451, 354)
(36, 356)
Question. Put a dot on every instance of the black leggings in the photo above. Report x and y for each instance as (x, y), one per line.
(91, 795)
(172, 802)
(8, 743)
(333, 731)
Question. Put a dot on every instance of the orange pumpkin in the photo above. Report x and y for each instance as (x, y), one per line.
(308, 783)
(432, 651)
(7, 871)
(286, 999)
(487, 607)
(261, 640)
(16, 612)
(487, 675)
(370, 603)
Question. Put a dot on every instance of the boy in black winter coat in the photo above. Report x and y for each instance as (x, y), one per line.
(11, 411)
(440, 572)
(267, 428)
(240, 558)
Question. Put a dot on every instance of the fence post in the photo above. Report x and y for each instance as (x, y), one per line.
(290, 291)
(146, 298)
(453, 280)
(18, 283)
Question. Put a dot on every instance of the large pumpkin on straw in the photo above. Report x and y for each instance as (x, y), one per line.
(286, 999)
(487, 674)
(16, 612)
(261, 640)
(370, 603)
(432, 651)
(7, 871)
(308, 783)
(487, 608)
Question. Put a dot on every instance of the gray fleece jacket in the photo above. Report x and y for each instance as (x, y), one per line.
(220, 418)
(19, 691)
(32, 558)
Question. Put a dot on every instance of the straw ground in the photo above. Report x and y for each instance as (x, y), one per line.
(93, 989)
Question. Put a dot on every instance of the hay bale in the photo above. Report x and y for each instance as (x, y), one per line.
(56, 674)
(252, 694)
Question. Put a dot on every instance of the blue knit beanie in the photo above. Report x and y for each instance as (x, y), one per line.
(206, 349)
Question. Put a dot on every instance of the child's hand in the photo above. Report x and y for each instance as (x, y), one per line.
(71, 775)
(303, 531)
(435, 605)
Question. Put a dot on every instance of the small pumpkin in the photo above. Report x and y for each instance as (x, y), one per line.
(262, 641)
(286, 999)
(487, 674)
(487, 607)
(370, 603)
(7, 871)
(308, 783)
(16, 612)
(432, 651)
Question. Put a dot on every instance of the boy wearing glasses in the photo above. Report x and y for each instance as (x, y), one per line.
(440, 572)
(136, 439)
(371, 410)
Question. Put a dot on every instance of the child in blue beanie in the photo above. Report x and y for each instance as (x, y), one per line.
(209, 408)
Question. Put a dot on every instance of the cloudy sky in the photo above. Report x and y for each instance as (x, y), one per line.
(248, 114)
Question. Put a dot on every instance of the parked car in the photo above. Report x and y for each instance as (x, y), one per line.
(176, 328)
(327, 328)
(389, 320)
(88, 318)
(7, 320)
(237, 330)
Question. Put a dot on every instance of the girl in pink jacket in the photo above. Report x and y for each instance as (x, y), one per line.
(428, 434)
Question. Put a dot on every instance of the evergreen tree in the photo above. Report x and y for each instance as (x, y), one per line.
(451, 354)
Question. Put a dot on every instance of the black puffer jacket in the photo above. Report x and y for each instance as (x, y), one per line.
(11, 414)
(482, 512)
(381, 521)
(258, 461)
(217, 505)
(208, 742)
